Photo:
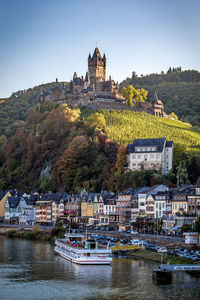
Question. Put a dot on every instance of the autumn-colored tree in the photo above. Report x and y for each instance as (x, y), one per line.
(74, 157)
(121, 160)
(174, 116)
(97, 122)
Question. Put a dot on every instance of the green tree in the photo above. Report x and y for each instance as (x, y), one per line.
(97, 122)
(131, 94)
(128, 94)
(194, 169)
(121, 160)
(182, 175)
(197, 225)
(186, 228)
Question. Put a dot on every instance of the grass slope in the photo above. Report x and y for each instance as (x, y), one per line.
(125, 126)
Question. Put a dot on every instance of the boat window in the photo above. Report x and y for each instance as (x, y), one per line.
(88, 254)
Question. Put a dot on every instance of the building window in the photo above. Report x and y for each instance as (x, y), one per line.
(151, 156)
(139, 156)
(133, 156)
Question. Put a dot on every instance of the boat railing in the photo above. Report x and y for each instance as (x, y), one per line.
(82, 250)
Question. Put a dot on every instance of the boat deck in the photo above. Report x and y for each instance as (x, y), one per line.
(78, 248)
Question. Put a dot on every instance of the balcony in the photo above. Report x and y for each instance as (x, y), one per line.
(124, 206)
(123, 213)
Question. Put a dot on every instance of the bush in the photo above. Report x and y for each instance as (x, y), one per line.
(11, 233)
(29, 235)
(58, 231)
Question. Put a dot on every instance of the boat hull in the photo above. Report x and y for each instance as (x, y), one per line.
(85, 261)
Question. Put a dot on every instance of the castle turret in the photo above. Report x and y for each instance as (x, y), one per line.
(97, 67)
(86, 77)
(158, 108)
(75, 76)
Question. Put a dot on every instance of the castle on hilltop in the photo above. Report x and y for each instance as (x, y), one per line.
(94, 91)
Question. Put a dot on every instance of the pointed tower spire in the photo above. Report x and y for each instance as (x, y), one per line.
(96, 53)
(155, 97)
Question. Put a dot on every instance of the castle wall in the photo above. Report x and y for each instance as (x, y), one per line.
(139, 106)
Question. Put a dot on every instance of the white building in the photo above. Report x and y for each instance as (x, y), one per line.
(192, 238)
(146, 199)
(20, 209)
(109, 207)
(160, 207)
(150, 154)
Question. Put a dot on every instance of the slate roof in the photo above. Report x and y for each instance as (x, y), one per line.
(13, 201)
(188, 191)
(56, 197)
(86, 77)
(169, 144)
(198, 182)
(159, 143)
(32, 199)
(128, 191)
(96, 53)
(140, 191)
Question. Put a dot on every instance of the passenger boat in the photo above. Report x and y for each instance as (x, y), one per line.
(81, 250)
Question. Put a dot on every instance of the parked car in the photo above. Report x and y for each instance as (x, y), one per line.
(181, 254)
(134, 232)
(123, 241)
(194, 257)
(161, 250)
(151, 247)
(135, 242)
(170, 252)
(142, 242)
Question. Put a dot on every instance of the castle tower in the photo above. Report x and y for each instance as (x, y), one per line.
(96, 67)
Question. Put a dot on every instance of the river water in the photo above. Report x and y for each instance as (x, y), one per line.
(30, 271)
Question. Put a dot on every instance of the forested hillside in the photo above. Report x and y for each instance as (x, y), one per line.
(60, 148)
(179, 91)
(14, 110)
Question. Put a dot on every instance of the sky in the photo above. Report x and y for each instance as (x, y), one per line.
(41, 40)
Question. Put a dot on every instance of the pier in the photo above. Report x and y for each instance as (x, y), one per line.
(163, 274)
